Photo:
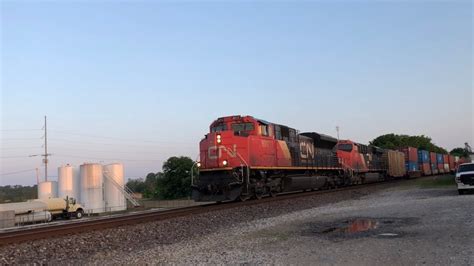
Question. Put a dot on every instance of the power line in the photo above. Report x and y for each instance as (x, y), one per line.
(20, 139)
(18, 172)
(19, 148)
(112, 144)
(121, 150)
(36, 129)
(108, 159)
(13, 157)
(114, 138)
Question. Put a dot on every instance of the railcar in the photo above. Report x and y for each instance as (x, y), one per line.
(243, 157)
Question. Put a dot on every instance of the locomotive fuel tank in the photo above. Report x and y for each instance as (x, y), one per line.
(295, 183)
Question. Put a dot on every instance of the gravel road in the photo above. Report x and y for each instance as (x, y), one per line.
(386, 224)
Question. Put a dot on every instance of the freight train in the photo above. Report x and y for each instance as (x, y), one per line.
(243, 157)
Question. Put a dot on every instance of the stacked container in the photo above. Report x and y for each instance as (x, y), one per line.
(395, 161)
(424, 162)
(456, 162)
(452, 163)
(411, 160)
(446, 163)
(440, 163)
(434, 165)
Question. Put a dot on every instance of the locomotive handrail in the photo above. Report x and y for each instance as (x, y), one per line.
(238, 154)
(246, 164)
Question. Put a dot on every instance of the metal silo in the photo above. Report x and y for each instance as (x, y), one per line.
(47, 189)
(114, 186)
(91, 192)
(68, 182)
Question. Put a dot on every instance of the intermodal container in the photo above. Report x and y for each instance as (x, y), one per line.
(425, 168)
(439, 158)
(411, 166)
(453, 163)
(434, 166)
(440, 168)
(411, 154)
(446, 163)
(395, 161)
(423, 156)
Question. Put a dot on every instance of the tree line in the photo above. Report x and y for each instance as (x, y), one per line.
(394, 141)
(173, 183)
(17, 193)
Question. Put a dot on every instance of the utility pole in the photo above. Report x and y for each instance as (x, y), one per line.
(46, 154)
(337, 130)
(45, 160)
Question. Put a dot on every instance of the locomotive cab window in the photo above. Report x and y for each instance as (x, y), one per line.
(242, 129)
(219, 128)
(344, 147)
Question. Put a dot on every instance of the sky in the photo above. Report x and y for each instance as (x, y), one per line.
(138, 82)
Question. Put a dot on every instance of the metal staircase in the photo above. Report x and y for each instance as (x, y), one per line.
(126, 191)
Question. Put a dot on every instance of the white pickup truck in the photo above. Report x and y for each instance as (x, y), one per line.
(465, 177)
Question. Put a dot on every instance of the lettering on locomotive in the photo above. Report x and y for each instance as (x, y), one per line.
(215, 152)
(306, 150)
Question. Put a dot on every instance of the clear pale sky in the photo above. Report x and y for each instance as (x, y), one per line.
(139, 82)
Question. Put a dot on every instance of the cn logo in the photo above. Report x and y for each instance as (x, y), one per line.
(215, 152)
(306, 150)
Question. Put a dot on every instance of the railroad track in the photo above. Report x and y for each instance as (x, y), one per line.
(74, 227)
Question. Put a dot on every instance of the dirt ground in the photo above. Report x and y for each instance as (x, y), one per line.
(421, 221)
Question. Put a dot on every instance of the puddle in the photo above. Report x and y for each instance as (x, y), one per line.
(355, 226)
(387, 227)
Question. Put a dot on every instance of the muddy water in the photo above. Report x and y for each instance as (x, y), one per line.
(361, 227)
(355, 226)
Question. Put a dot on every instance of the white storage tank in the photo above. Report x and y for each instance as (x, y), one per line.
(92, 194)
(113, 186)
(68, 182)
(47, 189)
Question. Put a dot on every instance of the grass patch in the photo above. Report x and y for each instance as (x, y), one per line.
(436, 182)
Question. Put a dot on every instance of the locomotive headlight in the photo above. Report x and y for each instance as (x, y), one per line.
(198, 164)
(219, 138)
(224, 163)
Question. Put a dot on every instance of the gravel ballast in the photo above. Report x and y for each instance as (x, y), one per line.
(278, 232)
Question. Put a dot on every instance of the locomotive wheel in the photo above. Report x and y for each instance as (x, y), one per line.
(258, 196)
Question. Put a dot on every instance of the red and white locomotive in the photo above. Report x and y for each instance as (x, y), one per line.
(243, 157)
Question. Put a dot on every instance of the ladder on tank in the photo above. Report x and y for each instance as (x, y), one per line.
(126, 191)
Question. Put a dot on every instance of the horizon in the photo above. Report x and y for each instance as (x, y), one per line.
(137, 83)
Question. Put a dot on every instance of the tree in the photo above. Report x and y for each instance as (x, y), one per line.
(175, 181)
(394, 141)
(461, 152)
(136, 185)
(150, 186)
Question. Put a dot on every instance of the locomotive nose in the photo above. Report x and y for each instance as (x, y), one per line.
(217, 149)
